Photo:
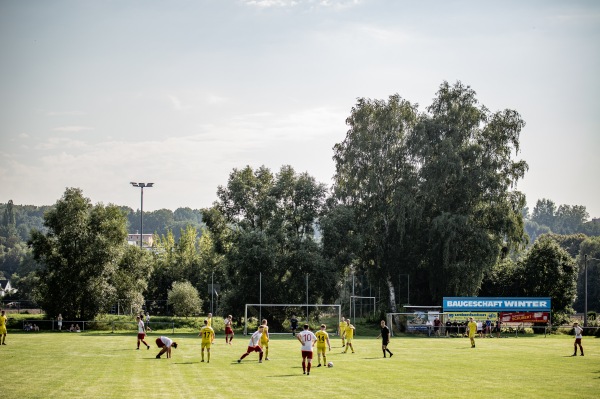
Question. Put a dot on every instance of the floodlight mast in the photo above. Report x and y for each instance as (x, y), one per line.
(141, 186)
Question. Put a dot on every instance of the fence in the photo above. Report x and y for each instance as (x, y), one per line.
(19, 307)
(91, 325)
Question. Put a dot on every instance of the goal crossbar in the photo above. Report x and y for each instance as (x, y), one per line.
(291, 305)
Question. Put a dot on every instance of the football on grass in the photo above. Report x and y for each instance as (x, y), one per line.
(330, 364)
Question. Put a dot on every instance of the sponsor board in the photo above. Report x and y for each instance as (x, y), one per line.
(457, 304)
(525, 317)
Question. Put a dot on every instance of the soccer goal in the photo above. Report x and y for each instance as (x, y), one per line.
(279, 315)
(361, 306)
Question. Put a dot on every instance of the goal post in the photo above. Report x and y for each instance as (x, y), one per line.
(278, 316)
(370, 301)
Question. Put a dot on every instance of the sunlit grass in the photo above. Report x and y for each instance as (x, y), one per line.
(90, 365)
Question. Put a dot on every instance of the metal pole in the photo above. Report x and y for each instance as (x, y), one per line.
(585, 308)
(307, 298)
(212, 292)
(142, 217)
(260, 298)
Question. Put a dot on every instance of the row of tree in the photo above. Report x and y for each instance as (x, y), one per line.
(428, 195)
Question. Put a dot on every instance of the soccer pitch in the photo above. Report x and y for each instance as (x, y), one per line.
(92, 365)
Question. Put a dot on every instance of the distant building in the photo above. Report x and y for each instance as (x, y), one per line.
(6, 288)
(134, 239)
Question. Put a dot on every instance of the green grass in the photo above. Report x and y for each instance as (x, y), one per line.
(106, 365)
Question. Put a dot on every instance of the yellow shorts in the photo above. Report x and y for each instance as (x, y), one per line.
(3, 330)
(205, 345)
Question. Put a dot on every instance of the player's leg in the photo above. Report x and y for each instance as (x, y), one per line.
(207, 355)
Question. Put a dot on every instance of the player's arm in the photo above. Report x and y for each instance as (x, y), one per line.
(328, 344)
(299, 339)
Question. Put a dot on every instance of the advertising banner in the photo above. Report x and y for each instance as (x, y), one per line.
(477, 316)
(475, 304)
(525, 317)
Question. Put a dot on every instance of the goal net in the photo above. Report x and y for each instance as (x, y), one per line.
(279, 315)
(362, 307)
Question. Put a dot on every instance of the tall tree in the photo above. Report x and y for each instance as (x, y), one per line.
(264, 225)
(80, 254)
(432, 192)
(544, 213)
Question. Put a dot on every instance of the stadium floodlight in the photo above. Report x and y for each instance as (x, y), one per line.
(141, 186)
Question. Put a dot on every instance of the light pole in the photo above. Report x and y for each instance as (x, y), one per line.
(141, 186)
(585, 309)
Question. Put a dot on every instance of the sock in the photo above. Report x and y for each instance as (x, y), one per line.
(304, 367)
(308, 367)
(383, 352)
(208, 356)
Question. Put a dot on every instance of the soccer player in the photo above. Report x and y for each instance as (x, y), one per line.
(342, 331)
(264, 338)
(349, 334)
(3, 327)
(254, 345)
(209, 318)
(165, 343)
(385, 338)
(308, 340)
(148, 322)
(322, 343)
(208, 336)
(472, 330)
(141, 333)
(294, 325)
(229, 329)
(578, 335)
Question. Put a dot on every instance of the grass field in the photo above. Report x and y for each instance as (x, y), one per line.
(106, 365)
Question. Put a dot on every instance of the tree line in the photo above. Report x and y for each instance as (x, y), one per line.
(425, 194)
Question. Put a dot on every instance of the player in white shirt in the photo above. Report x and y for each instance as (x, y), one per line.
(254, 345)
(165, 343)
(578, 336)
(308, 340)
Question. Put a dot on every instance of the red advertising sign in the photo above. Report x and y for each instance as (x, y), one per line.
(525, 317)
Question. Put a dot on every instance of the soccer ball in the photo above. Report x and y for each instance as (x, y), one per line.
(330, 364)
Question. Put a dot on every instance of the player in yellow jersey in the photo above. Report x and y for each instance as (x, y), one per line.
(472, 329)
(349, 336)
(209, 319)
(322, 343)
(342, 331)
(208, 336)
(264, 339)
(3, 328)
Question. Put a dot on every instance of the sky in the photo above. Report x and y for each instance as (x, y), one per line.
(98, 94)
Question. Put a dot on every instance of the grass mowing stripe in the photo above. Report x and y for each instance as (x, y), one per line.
(42, 365)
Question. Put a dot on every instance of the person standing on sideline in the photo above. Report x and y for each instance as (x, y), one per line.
(349, 334)
(148, 322)
(264, 339)
(254, 345)
(141, 334)
(165, 343)
(208, 336)
(293, 325)
(3, 331)
(308, 340)
(322, 343)
(437, 325)
(342, 331)
(59, 321)
(229, 329)
(578, 336)
(472, 330)
(385, 338)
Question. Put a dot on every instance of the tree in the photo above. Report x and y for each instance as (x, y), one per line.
(590, 246)
(79, 254)
(548, 271)
(432, 193)
(544, 213)
(264, 225)
(570, 219)
(184, 299)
